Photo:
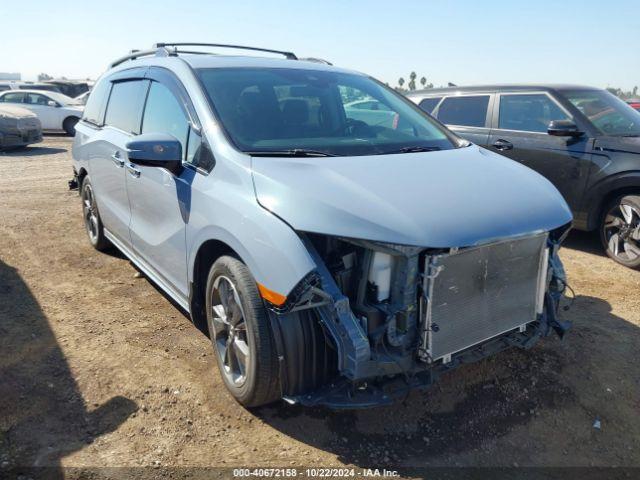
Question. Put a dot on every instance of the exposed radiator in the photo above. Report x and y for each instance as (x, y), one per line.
(478, 293)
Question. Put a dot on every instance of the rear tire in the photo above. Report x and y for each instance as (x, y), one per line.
(91, 216)
(620, 230)
(69, 126)
(241, 334)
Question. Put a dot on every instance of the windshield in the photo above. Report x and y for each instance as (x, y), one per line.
(298, 111)
(609, 114)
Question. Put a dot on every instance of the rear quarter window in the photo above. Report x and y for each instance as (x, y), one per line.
(125, 105)
(469, 111)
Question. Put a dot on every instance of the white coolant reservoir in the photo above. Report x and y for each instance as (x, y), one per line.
(380, 274)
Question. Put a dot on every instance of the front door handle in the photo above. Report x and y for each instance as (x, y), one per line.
(117, 159)
(503, 145)
(131, 168)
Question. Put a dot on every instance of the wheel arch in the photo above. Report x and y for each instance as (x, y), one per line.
(82, 173)
(207, 253)
(70, 117)
(627, 183)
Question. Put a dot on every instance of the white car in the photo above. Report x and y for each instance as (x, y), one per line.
(55, 110)
(372, 112)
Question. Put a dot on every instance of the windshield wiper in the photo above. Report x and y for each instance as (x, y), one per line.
(295, 152)
(415, 149)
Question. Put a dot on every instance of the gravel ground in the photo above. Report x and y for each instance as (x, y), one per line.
(98, 368)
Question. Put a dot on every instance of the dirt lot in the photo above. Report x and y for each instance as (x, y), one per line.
(98, 368)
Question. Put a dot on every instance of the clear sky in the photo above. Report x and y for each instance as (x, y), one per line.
(465, 42)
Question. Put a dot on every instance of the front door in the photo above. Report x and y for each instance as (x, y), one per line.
(522, 120)
(48, 115)
(157, 196)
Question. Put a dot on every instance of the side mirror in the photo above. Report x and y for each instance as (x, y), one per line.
(156, 150)
(563, 128)
(51, 103)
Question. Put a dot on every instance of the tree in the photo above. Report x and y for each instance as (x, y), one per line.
(401, 82)
(412, 81)
(635, 91)
(43, 76)
(423, 81)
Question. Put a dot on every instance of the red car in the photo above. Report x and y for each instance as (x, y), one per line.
(635, 103)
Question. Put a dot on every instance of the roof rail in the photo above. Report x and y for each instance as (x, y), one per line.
(140, 53)
(316, 60)
(164, 50)
(289, 55)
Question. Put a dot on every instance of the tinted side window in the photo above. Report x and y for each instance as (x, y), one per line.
(529, 113)
(466, 111)
(428, 104)
(198, 152)
(94, 110)
(36, 99)
(125, 105)
(164, 114)
(13, 98)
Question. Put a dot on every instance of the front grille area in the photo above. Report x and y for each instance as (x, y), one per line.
(28, 122)
(478, 293)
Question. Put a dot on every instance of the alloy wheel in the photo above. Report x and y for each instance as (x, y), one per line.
(621, 231)
(90, 213)
(230, 331)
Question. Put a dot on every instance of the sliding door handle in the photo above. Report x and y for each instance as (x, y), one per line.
(133, 171)
(119, 161)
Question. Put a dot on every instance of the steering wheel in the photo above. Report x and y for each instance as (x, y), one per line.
(358, 128)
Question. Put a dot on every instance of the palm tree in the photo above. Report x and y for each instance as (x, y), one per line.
(401, 82)
(423, 81)
(412, 81)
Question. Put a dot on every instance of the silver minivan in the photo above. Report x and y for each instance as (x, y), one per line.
(335, 253)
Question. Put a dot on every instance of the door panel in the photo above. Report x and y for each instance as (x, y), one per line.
(562, 160)
(107, 172)
(48, 115)
(158, 220)
(479, 136)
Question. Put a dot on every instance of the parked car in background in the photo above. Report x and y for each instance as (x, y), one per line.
(45, 87)
(371, 111)
(586, 141)
(56, 111)
(70, 88)
(7, 85)
(82, 99)
(18, 127)
(634, 103)
(21, 85)
(331, 259)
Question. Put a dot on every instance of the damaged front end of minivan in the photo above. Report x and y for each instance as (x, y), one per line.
(376, 320)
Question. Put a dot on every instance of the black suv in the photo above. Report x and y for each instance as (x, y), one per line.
(584, 140)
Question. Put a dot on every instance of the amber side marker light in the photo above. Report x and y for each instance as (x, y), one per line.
(272, 297)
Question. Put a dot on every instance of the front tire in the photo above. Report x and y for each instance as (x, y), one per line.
(91, 216)
(620, 230)
(240, 333)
